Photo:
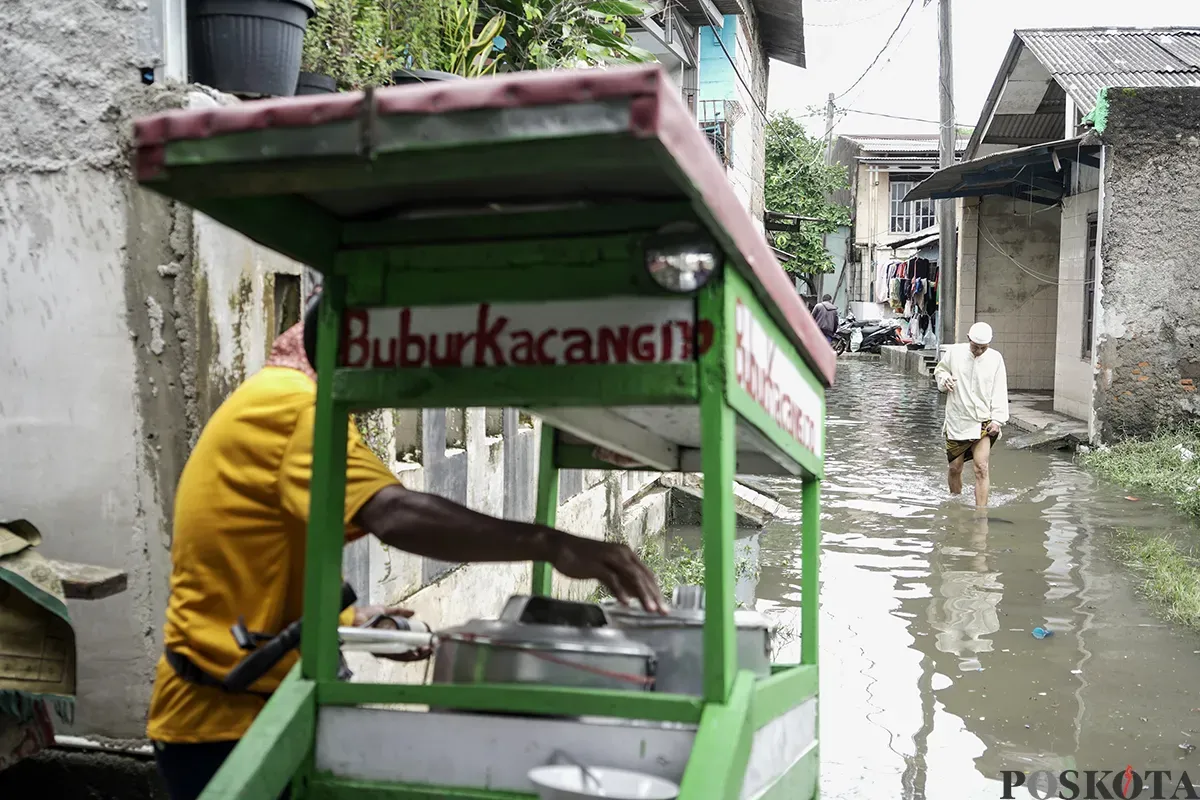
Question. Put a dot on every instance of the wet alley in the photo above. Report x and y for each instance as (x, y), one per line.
(932, 682)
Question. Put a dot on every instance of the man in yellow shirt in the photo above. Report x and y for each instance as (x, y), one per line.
(241, 514)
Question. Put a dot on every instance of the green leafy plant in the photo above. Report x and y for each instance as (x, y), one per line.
(469, 49)
(345, 41)
(798, 181)
(549, 34)
(676, 564)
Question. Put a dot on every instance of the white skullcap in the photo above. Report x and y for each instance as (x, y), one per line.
(980, 333)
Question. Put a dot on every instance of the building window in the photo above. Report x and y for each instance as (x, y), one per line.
(1089, 288)
(909, 217)
(287, 301)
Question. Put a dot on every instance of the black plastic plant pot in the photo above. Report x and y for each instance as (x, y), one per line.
(249, 48)
(315, 83)
(404, 77)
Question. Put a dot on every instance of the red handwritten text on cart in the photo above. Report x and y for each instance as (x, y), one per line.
(616, 331)
(769, 376)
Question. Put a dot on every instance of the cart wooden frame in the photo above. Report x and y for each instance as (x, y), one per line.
(442, 210)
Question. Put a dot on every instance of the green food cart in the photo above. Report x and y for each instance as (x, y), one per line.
(566, 243)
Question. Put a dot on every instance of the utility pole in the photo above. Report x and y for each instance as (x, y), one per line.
(829, 109)
(947, 244)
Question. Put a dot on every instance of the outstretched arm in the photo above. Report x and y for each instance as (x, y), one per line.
(432, 526)
(942, 374)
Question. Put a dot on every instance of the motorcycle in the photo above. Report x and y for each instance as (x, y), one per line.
(882, 335)
(841, 338)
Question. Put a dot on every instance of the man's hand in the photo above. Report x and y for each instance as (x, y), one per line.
(614, 565)
(364, 614)
(993, 429)
(949, 384)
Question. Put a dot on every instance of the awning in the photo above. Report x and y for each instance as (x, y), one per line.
(1036, 173)
(918, 239)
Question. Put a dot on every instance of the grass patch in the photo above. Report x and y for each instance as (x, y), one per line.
(1160, 464)
(682, 566)
(1171, 577)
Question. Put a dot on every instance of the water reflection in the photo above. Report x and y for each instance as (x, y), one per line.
(931, 680)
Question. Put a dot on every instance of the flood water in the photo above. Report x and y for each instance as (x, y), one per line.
(931, 680)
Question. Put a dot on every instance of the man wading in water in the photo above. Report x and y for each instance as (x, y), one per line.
(974, 378)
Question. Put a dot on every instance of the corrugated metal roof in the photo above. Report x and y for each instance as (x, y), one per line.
(1024, 128)
(1085, 60)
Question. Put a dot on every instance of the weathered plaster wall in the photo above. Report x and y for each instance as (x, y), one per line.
(79, 258)
(1149, 321)
(1073, 373)
(1015, 285)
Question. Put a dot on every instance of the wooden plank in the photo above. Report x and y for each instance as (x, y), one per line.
(289, 225)
(810, 562)
(89, 582)
(575, 219)
(427, 748)
(521, 387)
(326, 526)
(518, 699)
(722, 749)
(798, 783)
(612, 432)
(782, 692)
(326, 787)
(718, 437)
(546, 511)
(278, 742)
(801, 401)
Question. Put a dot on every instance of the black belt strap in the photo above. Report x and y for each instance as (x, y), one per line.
(185, 668)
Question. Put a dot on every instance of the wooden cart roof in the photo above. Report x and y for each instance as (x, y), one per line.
(313, 150)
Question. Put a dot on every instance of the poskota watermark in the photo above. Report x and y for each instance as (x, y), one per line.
(1093, 784)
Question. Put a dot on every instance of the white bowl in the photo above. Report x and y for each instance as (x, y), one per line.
(566, 782)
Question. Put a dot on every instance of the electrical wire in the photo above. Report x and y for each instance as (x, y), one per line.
(897, 116)
(847, 23)
(879, 55)
(987, 236)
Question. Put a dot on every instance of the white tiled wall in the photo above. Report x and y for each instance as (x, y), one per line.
(1073, 378)
(1019, 300)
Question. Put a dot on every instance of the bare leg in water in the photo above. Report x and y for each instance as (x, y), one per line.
(981, 456)
(955, 474)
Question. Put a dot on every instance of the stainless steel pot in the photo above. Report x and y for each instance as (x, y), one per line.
(678, 640)
(590, 655)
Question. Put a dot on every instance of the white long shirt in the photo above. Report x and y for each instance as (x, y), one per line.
(980, 391)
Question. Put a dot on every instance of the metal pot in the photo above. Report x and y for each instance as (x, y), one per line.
(511, 651)
(678, 640)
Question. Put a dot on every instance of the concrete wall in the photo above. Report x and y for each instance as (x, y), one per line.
(1149, 320)
(1072, 372)
(1008, 278)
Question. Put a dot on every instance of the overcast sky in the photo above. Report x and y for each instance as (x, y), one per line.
(843, 36)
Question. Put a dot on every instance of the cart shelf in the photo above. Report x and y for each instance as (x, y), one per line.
(565, 243)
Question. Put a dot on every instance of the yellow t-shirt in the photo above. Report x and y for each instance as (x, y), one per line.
(241, 513)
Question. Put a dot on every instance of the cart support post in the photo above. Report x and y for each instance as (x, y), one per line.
(326, 524)
(810, 558)
(718, 443)
(546, 512)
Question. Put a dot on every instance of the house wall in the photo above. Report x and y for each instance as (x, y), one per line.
(1019, 302)
(1149, 317)
(1072, 372)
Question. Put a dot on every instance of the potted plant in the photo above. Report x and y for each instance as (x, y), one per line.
(249, 48)
(343, 48)
(442, 40)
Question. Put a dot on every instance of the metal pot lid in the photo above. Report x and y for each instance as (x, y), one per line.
(743, 618)
(560, 638)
